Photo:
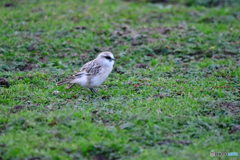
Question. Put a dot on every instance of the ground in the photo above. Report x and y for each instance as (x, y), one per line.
(173, 93)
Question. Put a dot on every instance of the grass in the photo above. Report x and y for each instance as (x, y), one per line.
(173, 94)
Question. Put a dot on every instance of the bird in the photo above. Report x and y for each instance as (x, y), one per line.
(93, 73)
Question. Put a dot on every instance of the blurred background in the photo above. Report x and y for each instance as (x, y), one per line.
(206, 3)
(173, 93)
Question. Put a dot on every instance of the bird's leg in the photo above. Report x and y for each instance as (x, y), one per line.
(93, 90)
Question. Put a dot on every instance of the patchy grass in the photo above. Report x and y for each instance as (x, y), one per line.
(174, 92)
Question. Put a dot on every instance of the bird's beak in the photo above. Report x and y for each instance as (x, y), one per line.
(113, 59)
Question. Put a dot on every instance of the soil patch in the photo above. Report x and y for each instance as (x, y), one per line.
(25, 67)
(4, 82)
(232, 107)
(234, 129)
(170, 141)
(16, 109)
(7, 5)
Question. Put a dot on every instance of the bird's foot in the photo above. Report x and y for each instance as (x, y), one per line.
(94, 91)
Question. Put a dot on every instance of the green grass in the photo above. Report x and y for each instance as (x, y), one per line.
(173, 94)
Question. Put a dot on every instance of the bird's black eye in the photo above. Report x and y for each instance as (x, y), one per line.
(108, 57)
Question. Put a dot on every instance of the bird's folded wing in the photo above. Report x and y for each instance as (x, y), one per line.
(91, 68)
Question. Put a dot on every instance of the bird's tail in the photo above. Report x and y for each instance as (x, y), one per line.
(69, 79)
(66, 81)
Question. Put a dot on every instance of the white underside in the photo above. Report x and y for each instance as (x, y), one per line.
(81, 81)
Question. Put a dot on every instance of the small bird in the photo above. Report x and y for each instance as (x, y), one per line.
(93, 73)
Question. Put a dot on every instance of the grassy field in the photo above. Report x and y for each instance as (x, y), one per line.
(173, 94)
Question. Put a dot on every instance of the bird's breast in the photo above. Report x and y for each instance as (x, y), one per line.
(101, 77)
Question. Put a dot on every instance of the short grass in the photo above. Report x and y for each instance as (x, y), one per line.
(174, 92)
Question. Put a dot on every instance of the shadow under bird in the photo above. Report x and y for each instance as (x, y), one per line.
(93, 73)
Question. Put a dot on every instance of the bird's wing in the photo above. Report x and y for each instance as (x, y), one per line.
(91, 68)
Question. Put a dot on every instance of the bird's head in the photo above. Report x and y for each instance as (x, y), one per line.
(106, 57)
